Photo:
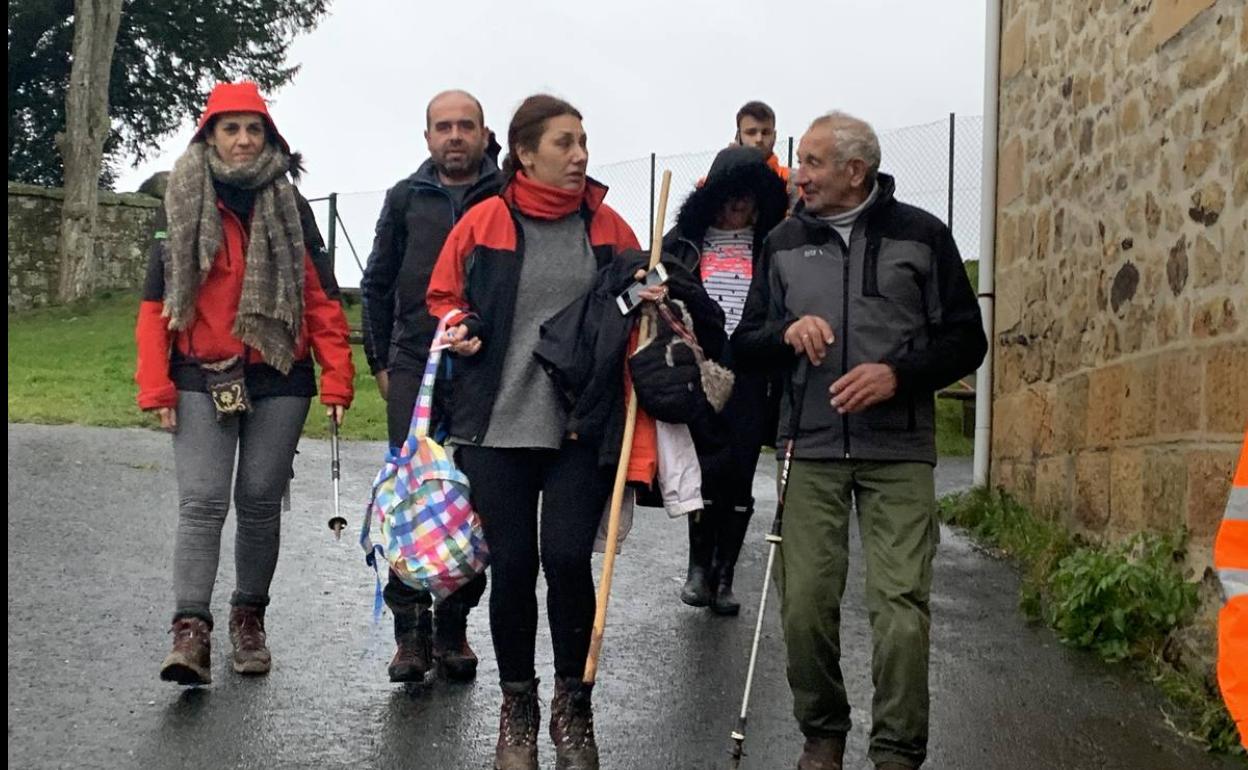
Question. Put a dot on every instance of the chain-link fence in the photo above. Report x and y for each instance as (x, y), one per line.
(937, 167)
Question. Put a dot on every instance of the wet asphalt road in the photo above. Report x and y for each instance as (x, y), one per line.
(90, 533)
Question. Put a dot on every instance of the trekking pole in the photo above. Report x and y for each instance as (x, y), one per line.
(774, 539)
(621, 471)
(337, 523)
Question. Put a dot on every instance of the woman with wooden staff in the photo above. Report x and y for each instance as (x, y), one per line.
(511, 264)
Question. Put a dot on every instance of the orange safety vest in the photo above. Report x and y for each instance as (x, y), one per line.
(1230, 559)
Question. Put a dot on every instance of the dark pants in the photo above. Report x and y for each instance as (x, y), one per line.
(728, 474)
(506, 485)
(402, 599)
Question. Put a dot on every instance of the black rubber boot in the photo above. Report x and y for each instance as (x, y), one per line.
(697, 589)
(729, 535)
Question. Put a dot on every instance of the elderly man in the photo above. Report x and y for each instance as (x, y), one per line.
(874, 294)
(418, 214)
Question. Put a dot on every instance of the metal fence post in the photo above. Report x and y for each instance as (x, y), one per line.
(652, 163)
(952, 126)
(333, 229)
(790, 152)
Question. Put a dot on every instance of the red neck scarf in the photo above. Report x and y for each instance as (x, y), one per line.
(541, 201)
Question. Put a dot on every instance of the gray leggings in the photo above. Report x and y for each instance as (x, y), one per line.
(265, 439)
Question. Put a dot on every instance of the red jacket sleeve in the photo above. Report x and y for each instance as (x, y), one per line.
(153, 341)
(152, 337)
(330, 338)
(446, 286)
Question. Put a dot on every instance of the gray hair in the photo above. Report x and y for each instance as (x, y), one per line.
(855, 139)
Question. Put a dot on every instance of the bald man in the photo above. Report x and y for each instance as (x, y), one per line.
(415, 220)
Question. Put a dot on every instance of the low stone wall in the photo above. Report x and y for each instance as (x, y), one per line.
(124, 230)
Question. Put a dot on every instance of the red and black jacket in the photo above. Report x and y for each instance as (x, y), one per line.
(168, 361)
(475, 283)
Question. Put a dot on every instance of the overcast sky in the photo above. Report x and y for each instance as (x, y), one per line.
(665, 76)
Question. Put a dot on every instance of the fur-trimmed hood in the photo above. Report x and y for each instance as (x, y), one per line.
(735, 172)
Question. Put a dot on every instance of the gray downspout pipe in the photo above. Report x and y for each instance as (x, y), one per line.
(988, 242)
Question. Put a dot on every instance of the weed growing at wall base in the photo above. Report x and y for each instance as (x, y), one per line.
(1120, 601)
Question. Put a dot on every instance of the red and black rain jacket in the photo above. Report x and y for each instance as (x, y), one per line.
(168, 361)
(476, 279)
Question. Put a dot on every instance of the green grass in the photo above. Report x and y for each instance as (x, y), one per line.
(75, 364)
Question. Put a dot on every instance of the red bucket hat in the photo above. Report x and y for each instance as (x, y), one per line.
(238, 97)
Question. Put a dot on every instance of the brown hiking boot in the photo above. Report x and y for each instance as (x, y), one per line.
(190, 661)
(414, 656)
(822, 754)
(251, 654)
(517, 727)
(572, 726)
(450, 642)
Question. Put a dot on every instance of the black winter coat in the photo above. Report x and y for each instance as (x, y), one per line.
(584, 346)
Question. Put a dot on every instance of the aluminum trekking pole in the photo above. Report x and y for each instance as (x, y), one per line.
(774, 539)
(337, 523)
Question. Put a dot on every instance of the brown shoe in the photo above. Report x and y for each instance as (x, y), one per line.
(190, 661)
(251, 654)
(450, 642)
(517, 727)
(572, 726)
(414, 656)
(822, 754)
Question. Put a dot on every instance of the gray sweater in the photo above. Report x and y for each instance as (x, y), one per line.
(558, 268)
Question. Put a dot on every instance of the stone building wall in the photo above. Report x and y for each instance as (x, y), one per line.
(1121, 374)
(125, 229)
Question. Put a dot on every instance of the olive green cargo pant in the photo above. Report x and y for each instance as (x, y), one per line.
(896, 505)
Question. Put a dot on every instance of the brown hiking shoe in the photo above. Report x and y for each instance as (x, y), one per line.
(450, 642)
(572, 726)
(517, 727)
(414, 657)
(251, 654)
(822, 754)
(190, 661)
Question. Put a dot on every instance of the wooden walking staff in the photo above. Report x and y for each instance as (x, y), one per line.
(621, 472)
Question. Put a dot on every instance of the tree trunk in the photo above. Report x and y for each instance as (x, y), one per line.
(82, 143)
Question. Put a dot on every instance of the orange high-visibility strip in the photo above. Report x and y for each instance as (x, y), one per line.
(1233, 662)
(1241, 474)
(1230, 550)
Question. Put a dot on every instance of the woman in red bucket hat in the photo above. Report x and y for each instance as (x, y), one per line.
(233, 312)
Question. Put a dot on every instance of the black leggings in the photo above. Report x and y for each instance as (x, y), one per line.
(506, 484)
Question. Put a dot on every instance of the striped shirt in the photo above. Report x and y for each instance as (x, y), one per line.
(727, 267)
